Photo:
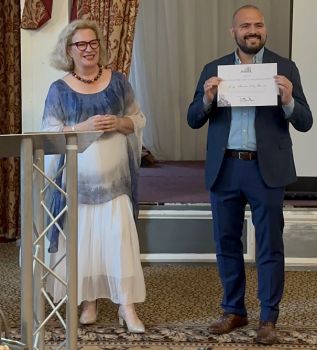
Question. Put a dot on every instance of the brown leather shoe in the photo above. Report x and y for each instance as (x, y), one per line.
(266, 333)
(227, 323)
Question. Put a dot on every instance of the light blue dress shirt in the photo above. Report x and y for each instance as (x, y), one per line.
(242, 131)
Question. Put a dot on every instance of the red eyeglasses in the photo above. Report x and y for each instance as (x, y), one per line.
(82, 45)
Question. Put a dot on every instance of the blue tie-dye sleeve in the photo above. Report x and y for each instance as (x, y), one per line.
(133, 111)
(53, 121)
(53, 116)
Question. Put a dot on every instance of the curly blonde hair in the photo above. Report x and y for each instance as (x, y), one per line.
(60, 59)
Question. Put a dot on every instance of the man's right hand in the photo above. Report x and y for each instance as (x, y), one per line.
(210, 89)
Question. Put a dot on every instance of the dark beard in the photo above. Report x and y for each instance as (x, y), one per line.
(250, 50)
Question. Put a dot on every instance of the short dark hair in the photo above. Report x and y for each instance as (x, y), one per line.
(245, 7)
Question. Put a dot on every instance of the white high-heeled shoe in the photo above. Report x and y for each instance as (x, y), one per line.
(89, 313)
(136, 327)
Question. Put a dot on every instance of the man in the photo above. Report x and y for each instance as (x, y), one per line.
(250, 160)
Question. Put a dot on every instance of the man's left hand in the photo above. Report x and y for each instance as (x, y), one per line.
(285, 87)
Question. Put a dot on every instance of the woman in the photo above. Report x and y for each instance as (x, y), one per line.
(91, 97)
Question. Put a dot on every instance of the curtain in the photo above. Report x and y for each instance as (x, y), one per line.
(36, 13)
(10, 117)
(117, 19)
(174, 39)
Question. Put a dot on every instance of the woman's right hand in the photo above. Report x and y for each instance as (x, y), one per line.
(95, 123)
(98, 122)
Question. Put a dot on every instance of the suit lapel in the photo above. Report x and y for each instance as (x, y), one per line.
(268, 56)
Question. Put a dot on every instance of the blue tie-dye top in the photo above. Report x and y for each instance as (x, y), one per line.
(109, 167)
(64, 106)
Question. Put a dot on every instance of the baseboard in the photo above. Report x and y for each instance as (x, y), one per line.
(183, 234)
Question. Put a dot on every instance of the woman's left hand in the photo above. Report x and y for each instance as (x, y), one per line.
(111, 123)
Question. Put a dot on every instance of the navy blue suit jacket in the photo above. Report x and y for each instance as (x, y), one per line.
(274, 144)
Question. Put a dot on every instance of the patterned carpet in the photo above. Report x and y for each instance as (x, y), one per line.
(181, 302)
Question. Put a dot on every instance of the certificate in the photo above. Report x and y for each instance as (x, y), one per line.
(247, 85)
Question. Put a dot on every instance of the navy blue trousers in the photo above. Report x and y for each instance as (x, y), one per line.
(240, 182)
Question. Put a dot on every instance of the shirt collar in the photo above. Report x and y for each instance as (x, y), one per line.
(258, 58)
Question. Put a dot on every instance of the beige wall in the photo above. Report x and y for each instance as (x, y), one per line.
(37, 74)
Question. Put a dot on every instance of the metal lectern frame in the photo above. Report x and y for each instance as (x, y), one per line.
(31, 149)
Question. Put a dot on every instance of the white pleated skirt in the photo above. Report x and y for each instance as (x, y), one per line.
(109, 263)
